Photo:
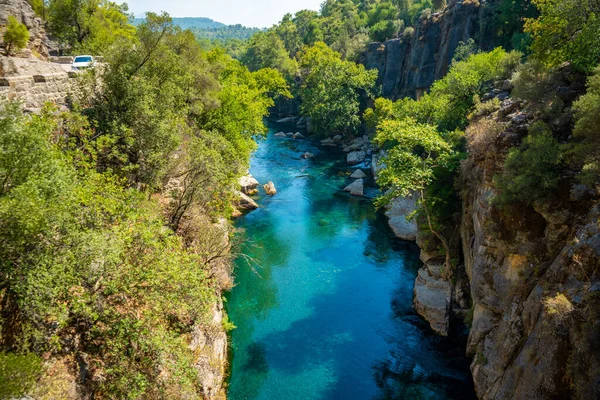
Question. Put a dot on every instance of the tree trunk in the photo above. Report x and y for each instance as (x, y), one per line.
(447, 262)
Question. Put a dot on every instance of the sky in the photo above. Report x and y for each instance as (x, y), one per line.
(251, 13)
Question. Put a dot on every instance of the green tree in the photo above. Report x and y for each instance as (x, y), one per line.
(587, 120)
(89, 25)
(566, 30)
(330, 89)
(413, 152)
(16, 35)
(267, 50)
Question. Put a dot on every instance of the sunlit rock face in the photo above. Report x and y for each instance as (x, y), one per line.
(409, 65)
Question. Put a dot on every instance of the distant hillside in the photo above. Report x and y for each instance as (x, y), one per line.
(190, 22)
(206, 28)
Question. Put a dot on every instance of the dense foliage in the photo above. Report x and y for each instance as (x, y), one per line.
(110, 246)
(88, 26)
(329, 89)
(567, 30)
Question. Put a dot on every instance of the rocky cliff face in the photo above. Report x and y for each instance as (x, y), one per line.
(534, 274)
(22, 11)
(408, 66)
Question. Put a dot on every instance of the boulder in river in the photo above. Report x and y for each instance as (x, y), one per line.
(432, 296)
(248, 184)
(270, 188)
(397, 211)
(290, 134)
(356, 157)
(298, 135)
(356, 188)
(280, 134)
(358, 174)
(307, 155)
(245, 202)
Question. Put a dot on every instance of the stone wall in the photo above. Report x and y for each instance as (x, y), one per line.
(33, 82)
(409, 66)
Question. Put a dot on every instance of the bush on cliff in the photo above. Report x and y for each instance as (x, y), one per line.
(16, 36)
(587, 121)
(531, 171)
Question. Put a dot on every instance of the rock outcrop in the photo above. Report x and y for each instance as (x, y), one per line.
(245, 202)
(432, 297)
(397, 212)
(408, 66)
(248, 184)
(22, 11)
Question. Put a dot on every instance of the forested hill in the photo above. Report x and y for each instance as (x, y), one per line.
(206, 28)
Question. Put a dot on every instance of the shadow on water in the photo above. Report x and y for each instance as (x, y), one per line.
(328, 313)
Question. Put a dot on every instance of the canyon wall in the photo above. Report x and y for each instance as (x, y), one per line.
(531, 273)
(409, 65)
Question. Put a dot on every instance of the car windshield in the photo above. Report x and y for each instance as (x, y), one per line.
(82, 59)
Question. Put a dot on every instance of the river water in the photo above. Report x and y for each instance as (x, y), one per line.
(323, 300)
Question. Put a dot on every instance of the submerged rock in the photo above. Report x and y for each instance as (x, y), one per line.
(270, 188)
(327, 142)
(307, 155)
(397, 211)
(356, 157)
(356, 188)
(358, 174)
(285, 120)
(432, 296)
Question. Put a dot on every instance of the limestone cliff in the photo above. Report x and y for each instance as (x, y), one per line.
(408, 66)
(534, 274)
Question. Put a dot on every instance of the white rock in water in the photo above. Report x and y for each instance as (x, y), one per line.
(248, 183)
(356, 188)
(307, 155)
(358, 174)
(298, 135)
(270, 188)
(280, 134)
(355, 157)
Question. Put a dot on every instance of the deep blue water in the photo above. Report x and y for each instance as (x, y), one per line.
(323, 302)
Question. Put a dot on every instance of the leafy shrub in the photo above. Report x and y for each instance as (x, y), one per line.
(18, 373)
(16, 35)
(587, 121)
(531, 171)
(384, 30)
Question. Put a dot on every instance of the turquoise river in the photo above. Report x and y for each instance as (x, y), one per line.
(323, 297)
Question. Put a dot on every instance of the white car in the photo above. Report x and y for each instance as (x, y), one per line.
(82, 62)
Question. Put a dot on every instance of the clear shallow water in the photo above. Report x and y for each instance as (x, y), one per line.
(324, 310)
